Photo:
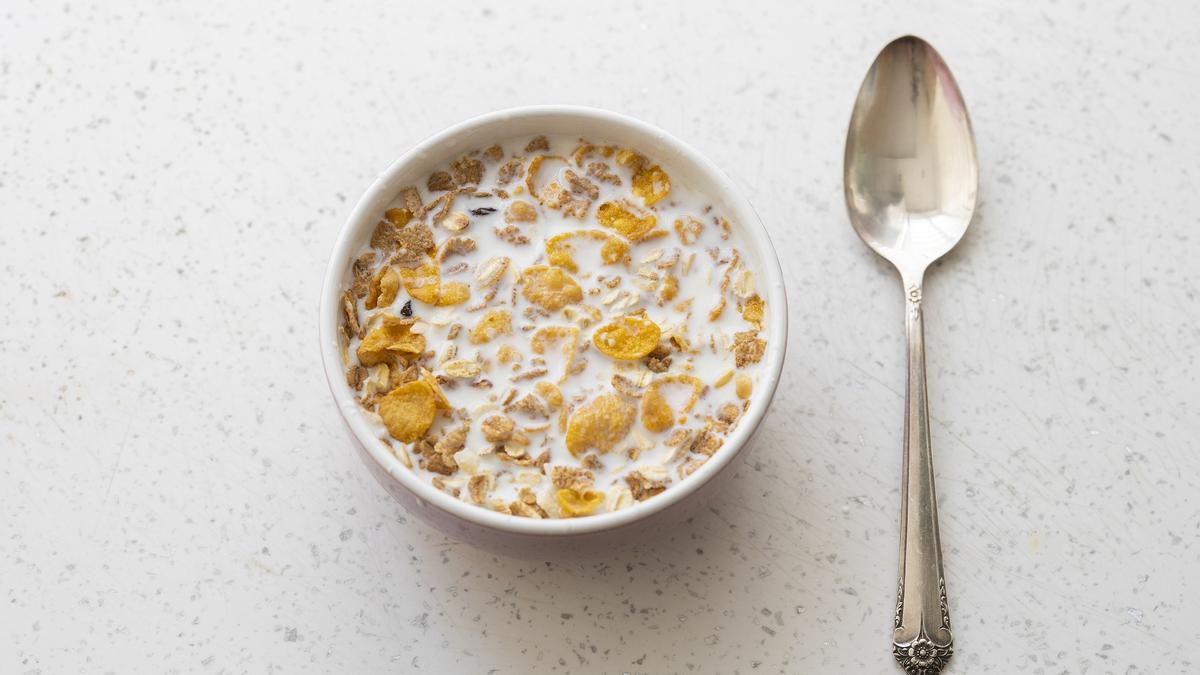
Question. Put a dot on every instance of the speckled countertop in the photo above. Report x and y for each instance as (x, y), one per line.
(178, 495)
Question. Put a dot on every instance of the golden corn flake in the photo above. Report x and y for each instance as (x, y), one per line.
(520, 211)
(688, 229)
(628, 338)
(669, 289)
(680, 343)
(439, 399)
(656, 412)
(725, 229)
(628, 158)
(535, 165)
(394, 337)
(689, 380)
(584, 150)
(508, 354)
(549, 393)
(408, 411)
(651, 184)
(549, 287)
(398, 217)
(560, 251)
(495, 323)
(453, 293)
(422, 283)
(574, 503)
(715, 312)
(617, 217)
(383, 288)
(752, 311)
(743, 386)
(601, 425)
(548, 334)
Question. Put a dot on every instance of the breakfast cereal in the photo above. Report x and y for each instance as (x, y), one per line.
(547, 328)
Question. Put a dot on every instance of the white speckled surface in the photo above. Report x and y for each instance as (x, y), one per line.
(178, 495)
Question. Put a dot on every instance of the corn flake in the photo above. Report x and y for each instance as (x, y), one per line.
(629, 158)
(601, 424)
(574, 503)
(550, 393)
(560, 252)
(383, 288)
(398, 217)
(547, 334)
(628, 338)
(752, 311)
(535, 165)
(422, 283)
(669, 289)
(549, 287)
(688, 229)
(616, 216)
(393, 338)
(585, 149)
(493, 324)
(453, 293)
(439, 399)
(743, 386)
(408, 411)
(508, 354)
(651, 184)
(520, 211)
(656, 412)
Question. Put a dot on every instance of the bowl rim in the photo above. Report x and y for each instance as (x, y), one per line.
(362, 216)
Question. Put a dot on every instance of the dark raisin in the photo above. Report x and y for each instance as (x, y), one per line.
(483, 211)
(406, 310)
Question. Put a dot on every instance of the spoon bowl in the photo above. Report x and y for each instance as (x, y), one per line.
(911, 175)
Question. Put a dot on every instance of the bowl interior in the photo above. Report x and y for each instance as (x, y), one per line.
(682, 163)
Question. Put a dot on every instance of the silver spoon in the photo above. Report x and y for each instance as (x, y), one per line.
(911, 177)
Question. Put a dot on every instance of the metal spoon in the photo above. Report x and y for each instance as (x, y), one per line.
(911, 177)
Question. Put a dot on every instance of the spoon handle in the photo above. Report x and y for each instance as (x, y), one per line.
(922, 641)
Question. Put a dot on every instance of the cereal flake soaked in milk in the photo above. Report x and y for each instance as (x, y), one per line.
(552, 327)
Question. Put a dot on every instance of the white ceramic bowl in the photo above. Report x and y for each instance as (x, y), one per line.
(550, 538)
